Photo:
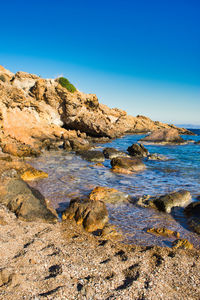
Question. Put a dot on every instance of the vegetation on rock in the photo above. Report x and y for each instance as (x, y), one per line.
(66, 84)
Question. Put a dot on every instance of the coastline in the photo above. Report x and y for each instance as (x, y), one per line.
(61, 260)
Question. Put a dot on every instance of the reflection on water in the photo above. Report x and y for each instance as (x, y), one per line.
(70, 176)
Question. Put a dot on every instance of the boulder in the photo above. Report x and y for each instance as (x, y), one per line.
(192, 212)
(27, 203)
(167, 202)
(112, 153)
(138, 150)
(92, 214)
(92, 155)
(164, 136)
(108, 195)
(127, 165)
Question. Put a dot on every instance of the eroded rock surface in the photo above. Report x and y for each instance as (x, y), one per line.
(37, 113)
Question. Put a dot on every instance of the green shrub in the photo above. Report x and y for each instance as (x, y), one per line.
(2, 78)
(66, 84)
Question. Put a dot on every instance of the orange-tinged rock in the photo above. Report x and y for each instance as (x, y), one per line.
(121, 171)
(163, 231)
(100, 193)
(182, 244)
(32, 174)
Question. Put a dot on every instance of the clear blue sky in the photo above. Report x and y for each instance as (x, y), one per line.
(140, 55)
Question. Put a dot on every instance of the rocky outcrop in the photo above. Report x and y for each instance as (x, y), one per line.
(36, 113)
(126, 165)
(164, 136)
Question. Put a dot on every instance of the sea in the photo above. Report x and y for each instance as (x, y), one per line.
(70, 176)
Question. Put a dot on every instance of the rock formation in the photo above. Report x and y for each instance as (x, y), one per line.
(36, 113)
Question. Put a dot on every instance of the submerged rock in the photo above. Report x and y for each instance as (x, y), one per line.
(182, 244)
(92, 214)
(164, 136)
(163, 231)
(155, 156)
(127, 165)
(31, 174)
(138, 150)
(112, 153)
(193, 213)
(90, 155)
(108, 195)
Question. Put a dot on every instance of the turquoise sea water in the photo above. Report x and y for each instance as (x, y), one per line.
(70, 176)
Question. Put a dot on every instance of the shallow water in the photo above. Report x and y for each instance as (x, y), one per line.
(70, 176)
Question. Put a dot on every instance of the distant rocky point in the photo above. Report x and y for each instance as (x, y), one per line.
(37, 113)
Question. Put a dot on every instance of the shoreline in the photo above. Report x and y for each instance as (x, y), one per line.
(62, 261)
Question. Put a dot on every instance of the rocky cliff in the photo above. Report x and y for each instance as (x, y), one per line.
(35, 112)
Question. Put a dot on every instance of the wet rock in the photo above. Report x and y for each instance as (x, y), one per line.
(32, 173)
(138, 150)
(127, 165)
(76, 144)
(168, 201)
(197, 143)
(164, 136)
(28, 204)
(93, 215)
(93, 156)
(112, 153)
(182, 244)
(108, 195)
(193, 213)
(163, 231)
(165, 202)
